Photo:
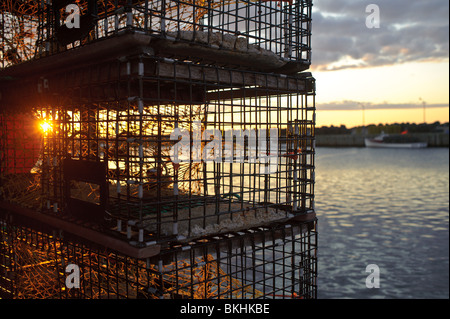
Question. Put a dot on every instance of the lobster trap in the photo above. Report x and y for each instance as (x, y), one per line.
(164, 147)
(271, 263)
(256, 34)
(172, 151)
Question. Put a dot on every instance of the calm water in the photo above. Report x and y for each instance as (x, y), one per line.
(388, 207)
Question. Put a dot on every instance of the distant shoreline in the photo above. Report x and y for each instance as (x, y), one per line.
(356, 140)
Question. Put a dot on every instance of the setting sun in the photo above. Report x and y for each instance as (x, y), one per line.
(45, 127)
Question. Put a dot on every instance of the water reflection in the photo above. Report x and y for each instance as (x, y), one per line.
(384, 206)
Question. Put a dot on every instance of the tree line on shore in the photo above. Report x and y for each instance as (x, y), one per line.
(395, 128)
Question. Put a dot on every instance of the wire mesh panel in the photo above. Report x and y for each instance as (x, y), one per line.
(262, 262)
(20, 144)
(266, 263)
(250, 33)
(30, 262)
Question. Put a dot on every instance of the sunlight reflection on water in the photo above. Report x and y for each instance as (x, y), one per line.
(388, 207)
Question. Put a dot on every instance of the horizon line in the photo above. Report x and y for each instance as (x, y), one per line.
(357, 106)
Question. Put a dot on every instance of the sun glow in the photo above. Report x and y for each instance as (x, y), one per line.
(45, 126)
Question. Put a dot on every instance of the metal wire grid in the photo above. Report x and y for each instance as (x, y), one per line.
(35, 29)
(267, 263)
(260, 263)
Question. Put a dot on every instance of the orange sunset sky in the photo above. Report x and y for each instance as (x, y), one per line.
(390, 71)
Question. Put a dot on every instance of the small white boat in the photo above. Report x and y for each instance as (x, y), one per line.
(394, 141)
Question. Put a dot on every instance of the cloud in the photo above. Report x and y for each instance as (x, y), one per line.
(410, 31)
(356, 106)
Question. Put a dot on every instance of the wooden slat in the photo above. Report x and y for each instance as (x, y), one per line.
(231, 78)
(249, 237)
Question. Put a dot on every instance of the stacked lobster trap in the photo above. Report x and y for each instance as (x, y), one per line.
(166, 148)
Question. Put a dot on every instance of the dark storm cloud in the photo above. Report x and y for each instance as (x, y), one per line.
(410, 30)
